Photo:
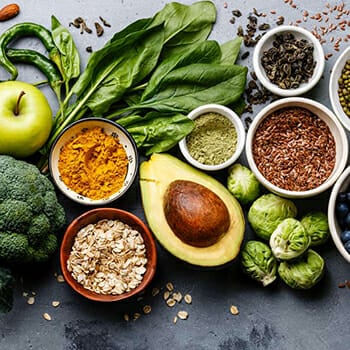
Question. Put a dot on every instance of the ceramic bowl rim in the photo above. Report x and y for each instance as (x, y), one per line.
(334, 228)
(237, 122)
(333, 90)
(303, 102)
(318, 55)
(87, 201)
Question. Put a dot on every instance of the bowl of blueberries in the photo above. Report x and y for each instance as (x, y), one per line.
(339, 214)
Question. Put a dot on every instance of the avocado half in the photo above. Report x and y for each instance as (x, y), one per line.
(156, 175)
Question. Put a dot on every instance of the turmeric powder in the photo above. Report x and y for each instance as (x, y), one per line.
(93, 164)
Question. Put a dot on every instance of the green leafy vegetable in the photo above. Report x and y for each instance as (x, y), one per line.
(268, 211)
(243, 184)
(70, 59)
(157, 132)
(162, 64)
(258, 262)
(289, 240)
(316, 225)
(304, 272)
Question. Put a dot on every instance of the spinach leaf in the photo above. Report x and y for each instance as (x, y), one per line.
(157, 132)
(189, 87)
(185, 24)
(70, 59)
(230, 51)
(116, 67)
(202, 52)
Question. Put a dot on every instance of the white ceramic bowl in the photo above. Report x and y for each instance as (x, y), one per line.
(333, 88)
(340, 137)
(265, 43)
(237, 123)
(341, 185)
(110, 128)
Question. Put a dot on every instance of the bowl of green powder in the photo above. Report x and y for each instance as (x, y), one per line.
(217, 139)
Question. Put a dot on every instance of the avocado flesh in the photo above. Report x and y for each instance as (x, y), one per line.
(156, 174)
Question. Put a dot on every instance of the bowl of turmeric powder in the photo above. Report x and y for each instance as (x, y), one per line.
(93, 161)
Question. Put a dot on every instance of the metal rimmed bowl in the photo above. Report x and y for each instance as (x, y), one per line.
(110, 128)
(266, 42)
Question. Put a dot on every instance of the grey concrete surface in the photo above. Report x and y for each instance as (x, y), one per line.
(270, 318)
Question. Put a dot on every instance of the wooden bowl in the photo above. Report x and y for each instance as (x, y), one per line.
(91, 217)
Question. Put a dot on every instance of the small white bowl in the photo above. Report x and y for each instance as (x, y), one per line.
(265, 43)
(341, 185)
(237, 123)
(333, 88)
(110, 128)
(340, 138)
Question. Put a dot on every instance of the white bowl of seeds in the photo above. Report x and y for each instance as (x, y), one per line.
(296, 147)
(288, 60)
(217, 139)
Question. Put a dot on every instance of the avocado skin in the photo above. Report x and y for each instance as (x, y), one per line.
(156, 174)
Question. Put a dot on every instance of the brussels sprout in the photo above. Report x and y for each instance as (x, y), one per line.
(316, 225)
(289, 240)
(304, 272)
(258, 262)
(243, 184)
(267, 212)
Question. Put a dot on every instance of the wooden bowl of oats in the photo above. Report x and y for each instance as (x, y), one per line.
(108, 254)
(296, 147)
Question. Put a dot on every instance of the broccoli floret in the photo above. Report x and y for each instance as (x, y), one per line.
(39, 229)
(7, 283)
(15, 216)
(30, 214)
(14, 247)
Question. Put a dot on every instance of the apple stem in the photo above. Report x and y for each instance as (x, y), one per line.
(22, 93)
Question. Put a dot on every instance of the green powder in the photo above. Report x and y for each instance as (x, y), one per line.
(213, 139)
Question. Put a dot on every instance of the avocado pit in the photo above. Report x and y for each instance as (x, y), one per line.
(195, 214)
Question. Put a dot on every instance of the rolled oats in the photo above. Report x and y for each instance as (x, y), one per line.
(108, 257)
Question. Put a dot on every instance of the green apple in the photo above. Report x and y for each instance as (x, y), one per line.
(25, 119)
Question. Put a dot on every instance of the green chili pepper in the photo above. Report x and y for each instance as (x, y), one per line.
(23, 30)
(39, 61)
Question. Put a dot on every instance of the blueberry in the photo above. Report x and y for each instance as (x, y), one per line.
(347, 246)
(342, 197)
(345, 236)
(341, 209)
(347, 220)
(348, 197)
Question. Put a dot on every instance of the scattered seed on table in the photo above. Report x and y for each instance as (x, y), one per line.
(175, 319)
(155, 291)
(188, 299)
(55, 303)
(46, 316)
(177, 296)
(169, 286)
(147, 309)
(60, 278)
(31, 300)
(126, 317)
(171, 302)
(166, 295)
(136, 316)
(234, 310)
(183, 315)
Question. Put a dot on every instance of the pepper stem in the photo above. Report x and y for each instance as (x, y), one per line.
(22, 93)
